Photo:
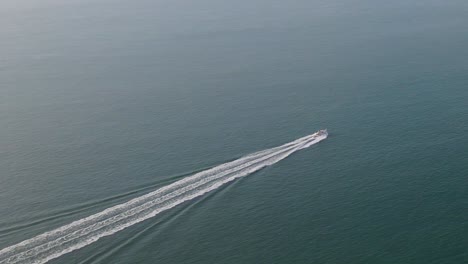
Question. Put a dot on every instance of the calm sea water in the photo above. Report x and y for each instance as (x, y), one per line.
(102, 101)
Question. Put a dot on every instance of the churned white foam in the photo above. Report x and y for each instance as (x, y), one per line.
(83, 232)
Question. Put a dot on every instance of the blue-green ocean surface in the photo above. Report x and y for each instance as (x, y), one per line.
(102, 101)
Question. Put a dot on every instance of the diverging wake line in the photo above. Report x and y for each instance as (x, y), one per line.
(85, 231)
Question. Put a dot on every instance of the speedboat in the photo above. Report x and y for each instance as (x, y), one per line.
(322, 132)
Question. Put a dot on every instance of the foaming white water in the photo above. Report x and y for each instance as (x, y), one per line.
(83, 232)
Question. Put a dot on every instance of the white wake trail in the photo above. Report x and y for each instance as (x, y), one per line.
(83, 232)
